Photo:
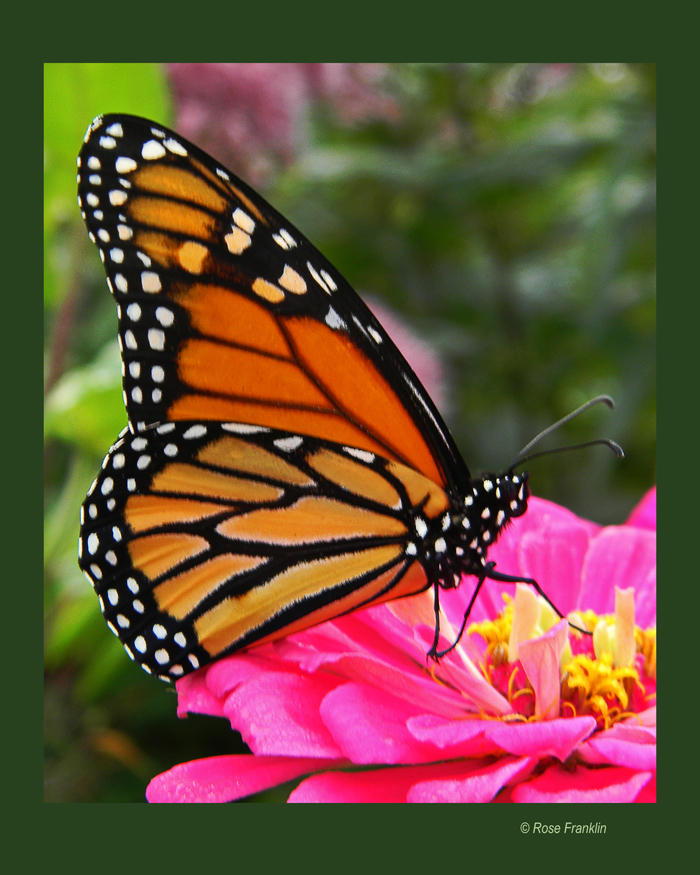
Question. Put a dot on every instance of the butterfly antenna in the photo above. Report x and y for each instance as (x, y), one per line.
(615, 447)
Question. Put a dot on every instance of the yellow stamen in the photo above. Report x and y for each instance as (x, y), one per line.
(594, 686)
(645, 639)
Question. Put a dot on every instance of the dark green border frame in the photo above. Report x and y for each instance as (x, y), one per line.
(410, 839)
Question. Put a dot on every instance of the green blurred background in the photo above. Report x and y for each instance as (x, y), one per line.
(504, 212)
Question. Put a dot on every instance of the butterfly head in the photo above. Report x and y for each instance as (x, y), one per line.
(494, 500)
(476, 521)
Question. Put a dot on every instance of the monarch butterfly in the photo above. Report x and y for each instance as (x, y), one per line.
(282, 464)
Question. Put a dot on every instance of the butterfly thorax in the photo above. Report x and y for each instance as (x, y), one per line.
(475, 522)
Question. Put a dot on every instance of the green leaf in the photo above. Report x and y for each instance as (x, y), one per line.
(85, 406)
(73, 95)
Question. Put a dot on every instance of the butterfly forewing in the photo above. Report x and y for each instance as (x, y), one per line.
(226, 312)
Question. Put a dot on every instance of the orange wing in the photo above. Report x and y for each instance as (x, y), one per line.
(227, 313)
(200, 539)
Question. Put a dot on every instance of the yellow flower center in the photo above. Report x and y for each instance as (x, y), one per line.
(599, 684)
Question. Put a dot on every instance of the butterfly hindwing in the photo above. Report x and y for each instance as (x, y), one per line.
(202, 538)
(228, 313)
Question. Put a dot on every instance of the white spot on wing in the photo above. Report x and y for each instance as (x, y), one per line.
(287, 237)
(195, 431)
(150, 282)
(362, 455)
(334, 321)
(165, 317)
(156, 339)
(330, 282)
(152, 150)
(243, 428)
(314, 273)
(175, 147)
(243, 220)
(289, 443)
(125, 165)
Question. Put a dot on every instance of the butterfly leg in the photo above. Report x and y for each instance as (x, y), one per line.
(492, 574)
(434, 653)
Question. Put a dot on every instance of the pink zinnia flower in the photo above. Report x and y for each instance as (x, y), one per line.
(523, 710)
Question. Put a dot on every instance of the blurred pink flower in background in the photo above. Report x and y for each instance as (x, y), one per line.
(418, 353)
(523, 710)
(254, 116)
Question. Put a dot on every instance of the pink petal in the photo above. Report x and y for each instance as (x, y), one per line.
(194, 696)
(225, 778)
(278, 714)
(648, 792)
(446, 734)
(644, 514)
(226, 674)
(367, 646)
(369, 726)
(414, 619)
(632, 731)
(541, 514)
(476, 692)
(204, 691)
(645, 718)
(416, 686)
(362, 632)
(619, 556)
(554, 557)
(457, 691)
(645, 601)
(395, 785)
(480, 787)
(526, 616)
(380, 785)
(540, 659)
(558, 738)
(619, 752)
(583, 785)
(471, 738)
